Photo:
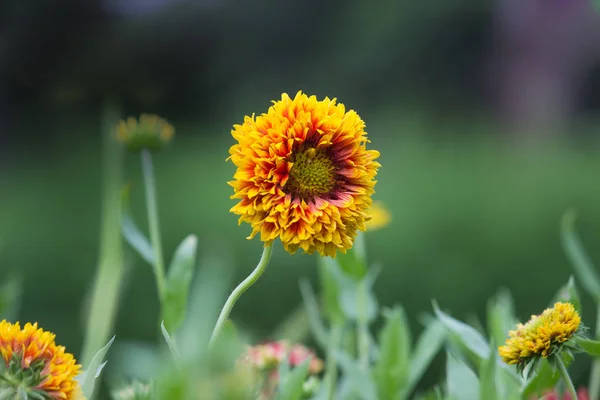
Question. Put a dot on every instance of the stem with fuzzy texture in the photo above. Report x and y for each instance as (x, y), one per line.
(241, 288)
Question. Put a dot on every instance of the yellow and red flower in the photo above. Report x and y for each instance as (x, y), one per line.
(304, 174)
(542, 336)
(31, 361)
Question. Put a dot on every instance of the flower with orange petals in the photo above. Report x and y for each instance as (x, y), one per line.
(32, 365)
(304, 174)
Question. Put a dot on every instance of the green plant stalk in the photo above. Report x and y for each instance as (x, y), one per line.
(109, 272)
(595, 371)
(335, 339)
(152, 206)
(362, 327)
(566, 378)
(240, 289)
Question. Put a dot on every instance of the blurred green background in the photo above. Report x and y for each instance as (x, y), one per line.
(485, 114)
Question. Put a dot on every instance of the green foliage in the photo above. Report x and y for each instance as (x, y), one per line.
(368, 354)
(392, 368)
(291, 386)
(501, 316)
(488, 388)
(179, 279)
(582, 265)
(132, 234)
(88, 378)
(461, 381)
(568, 294)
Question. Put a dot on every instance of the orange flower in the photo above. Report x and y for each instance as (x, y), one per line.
(304, 174)
(34, 362)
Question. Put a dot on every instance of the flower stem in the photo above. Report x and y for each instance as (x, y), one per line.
(362, 328)
(109, 273)
(152, 205)
(241, 288)
(566, 378)
(335, 338)
(595, 372)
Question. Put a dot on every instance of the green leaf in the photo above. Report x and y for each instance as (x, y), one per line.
(391, 369)
(357, 294)
(88, 378)
(501, 316)
(428, 345)
(360, 381)
(291, 386)
(170, 342)
(544, 380)
(179, 279)
(330, 289)
(568, 294)
(584, 269)
(461, 381)
(592, 347)
(312, 309)
(487, 373)
(466, 335)
(354, 262)
(132, 234)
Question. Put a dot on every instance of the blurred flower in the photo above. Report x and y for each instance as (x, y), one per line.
(264, 360)
(134, 391)
(270, 355)
(33, 363)
(150, 132)
(304, 174)
(582, 394)
(380, 217)
(542, 336)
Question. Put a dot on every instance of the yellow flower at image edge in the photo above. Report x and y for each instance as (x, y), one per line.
(380, 217)
(33, 364)
(304, 174)
(150, 132)
(542, 336)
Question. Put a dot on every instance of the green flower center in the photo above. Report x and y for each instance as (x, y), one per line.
(312, 175)
(15, 381)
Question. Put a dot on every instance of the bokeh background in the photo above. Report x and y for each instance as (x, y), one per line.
(486, 114)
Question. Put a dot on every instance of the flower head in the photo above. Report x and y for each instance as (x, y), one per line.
(542, 336)
(380, 217)
(304, 174)
(150, 132)
(31, 361)
(264, 360)
(582, 394)
(270, 355)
